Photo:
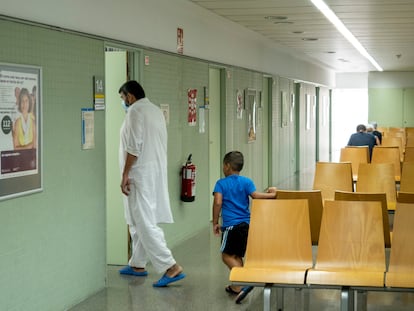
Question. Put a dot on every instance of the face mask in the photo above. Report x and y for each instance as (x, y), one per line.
(124, 105)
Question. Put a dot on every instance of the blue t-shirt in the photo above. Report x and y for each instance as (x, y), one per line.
(235, 190)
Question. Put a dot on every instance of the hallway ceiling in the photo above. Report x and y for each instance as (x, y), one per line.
(384, 27)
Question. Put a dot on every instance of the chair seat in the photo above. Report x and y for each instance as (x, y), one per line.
(357, 277)
(287, 275)
(405, 279)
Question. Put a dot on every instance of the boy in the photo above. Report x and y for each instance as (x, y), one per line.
(231, 198)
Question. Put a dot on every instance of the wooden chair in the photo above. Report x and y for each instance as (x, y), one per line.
(392, 141)
(279, 249)
(351, 251)
(409, 131)
(401, 267)
(393, 129)
(355, 155)
(314, 198)
(405, 197)
(330, 176)
(377, 178)
(372, 197)
(383, 130)
(382, 154)
(407, 177)
(409, 142)
(409, 154)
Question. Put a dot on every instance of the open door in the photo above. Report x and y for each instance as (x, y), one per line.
(116, 228)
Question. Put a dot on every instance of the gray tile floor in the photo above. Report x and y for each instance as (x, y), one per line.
(203, 288)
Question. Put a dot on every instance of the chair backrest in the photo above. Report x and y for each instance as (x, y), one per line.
(409, 131)
(314, 198)
(394, 141)
(407, 177)
(331, 176)
(409, 154)
(393, 130)
(383, 130)
(345, 243)
(402, 135)
(373, 197)
(377, 177)
(409, 141)
(382, 154)
(355, 155)
(277, 225)
(405, 197)
(401, 266)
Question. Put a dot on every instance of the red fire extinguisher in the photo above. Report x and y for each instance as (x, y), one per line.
(188, 174)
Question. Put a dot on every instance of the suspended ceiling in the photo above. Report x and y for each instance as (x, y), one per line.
(384, 27)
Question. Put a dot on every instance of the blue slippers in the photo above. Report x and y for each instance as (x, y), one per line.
(129, 271)
(165, 280)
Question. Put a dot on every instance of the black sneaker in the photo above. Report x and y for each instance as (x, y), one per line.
(243, 293)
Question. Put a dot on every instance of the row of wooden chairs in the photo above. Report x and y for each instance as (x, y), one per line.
(350, 253)
(396, 131)
(372, 178)
(380, 154)
(399, 137)
(315, 205)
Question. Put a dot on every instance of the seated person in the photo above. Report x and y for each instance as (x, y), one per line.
(370, 130)
(362, 138)
(376, 132)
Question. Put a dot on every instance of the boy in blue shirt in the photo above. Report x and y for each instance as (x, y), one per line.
(231, 198)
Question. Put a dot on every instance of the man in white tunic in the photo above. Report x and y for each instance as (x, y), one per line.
(143, 162)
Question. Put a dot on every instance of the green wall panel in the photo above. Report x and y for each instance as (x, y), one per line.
(57, 234)
(386, 106)
(166, 81)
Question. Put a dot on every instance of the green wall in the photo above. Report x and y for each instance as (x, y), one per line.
(166, 81)
(283, 134)
(385, 106)
(391, 107)
(52, 250)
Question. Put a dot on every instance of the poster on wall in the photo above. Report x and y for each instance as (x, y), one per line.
(239, 105)
(251, 106)
(192, 106)
(180, 41)
(88, 128)
(20, 135)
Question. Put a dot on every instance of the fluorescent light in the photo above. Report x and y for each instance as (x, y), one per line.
(330, 15)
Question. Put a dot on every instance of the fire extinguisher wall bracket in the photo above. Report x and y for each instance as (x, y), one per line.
(188, 174)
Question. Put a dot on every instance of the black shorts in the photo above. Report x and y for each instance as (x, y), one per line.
(234, 239)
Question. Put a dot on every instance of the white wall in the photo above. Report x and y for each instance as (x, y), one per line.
(153, 23)
(352, 80)
(391, 79)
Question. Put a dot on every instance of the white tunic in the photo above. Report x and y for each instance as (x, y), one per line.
(144, 135)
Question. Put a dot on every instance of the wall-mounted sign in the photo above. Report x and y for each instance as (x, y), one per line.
(98, 93)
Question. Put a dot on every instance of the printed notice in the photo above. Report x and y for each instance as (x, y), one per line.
(88, 128)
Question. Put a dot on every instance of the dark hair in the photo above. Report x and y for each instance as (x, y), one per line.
(235, 159)
(132, 87)
(24, 92)
(361, 128)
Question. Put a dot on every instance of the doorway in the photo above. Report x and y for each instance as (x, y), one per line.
(120, 65)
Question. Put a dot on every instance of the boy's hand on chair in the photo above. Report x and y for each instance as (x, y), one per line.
(271, 190)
